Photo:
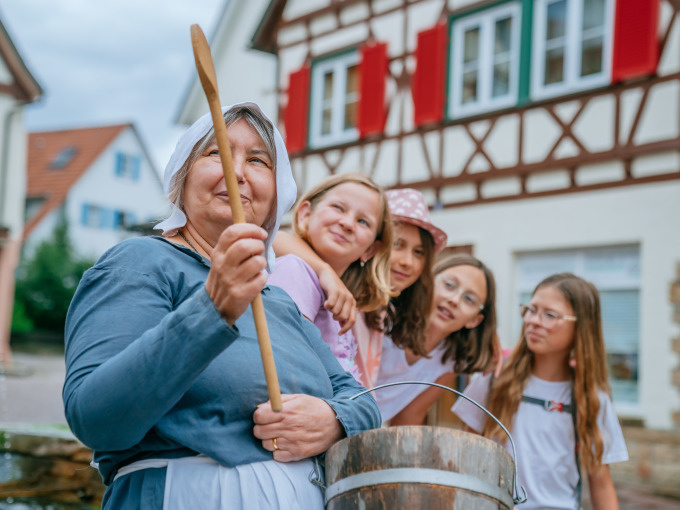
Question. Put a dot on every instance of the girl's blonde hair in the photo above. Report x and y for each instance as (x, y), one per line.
(588, 377)
(471, 350)
(370, 285)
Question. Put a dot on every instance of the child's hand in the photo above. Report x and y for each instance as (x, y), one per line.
(340, 301)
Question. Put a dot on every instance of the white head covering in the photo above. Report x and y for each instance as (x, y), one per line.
(286, 190)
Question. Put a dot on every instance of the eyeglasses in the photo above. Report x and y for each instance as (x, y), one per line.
(452, 289)
(546, 317)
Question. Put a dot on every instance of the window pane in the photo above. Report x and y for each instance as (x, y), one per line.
(350, 115)
(352, 80)
(327, 103)
(351, 94)
(591, 56)
(556, 22)
(326, 115)
(469, 87)
(471, 45)
(620, 327)
(502, 39)
(501, 79)
(94, 217)
(593, 14)
(554, 66)
(328, 86)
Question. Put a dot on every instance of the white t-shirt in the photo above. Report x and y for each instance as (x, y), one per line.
(395, 368)
(545, 440)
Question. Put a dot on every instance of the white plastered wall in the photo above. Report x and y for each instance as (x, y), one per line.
(645, 215)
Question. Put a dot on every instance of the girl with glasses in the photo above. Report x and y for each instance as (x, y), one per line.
(554, 397)
(459, 337)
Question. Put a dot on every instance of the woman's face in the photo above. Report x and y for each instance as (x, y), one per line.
(545, 329)
(407, 257)
(206, 201)
(343, 224)
(459, 294)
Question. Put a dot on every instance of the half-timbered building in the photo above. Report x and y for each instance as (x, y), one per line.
(545, 134)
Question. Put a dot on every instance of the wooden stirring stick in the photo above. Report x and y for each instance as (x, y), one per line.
(206, 73)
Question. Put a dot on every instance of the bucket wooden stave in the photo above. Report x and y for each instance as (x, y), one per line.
(418, 467)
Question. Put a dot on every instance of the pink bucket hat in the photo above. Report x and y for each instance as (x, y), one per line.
(408, 205)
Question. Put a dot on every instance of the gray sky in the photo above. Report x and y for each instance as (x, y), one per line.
(104, 62)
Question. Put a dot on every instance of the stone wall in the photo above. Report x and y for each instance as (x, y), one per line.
(675, 302)
(48, 469)
(654, 461)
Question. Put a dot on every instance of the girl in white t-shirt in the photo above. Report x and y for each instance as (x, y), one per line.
(553, 395)
(460, 337)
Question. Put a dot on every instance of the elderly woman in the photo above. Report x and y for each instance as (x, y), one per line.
(164, 377)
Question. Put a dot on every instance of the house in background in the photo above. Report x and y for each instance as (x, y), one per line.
(18, 88)
(101, 180)
(243, 73)
(546, 136)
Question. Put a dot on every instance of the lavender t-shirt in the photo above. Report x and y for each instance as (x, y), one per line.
(299, 280)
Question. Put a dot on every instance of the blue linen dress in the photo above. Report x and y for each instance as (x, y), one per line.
(153, 371)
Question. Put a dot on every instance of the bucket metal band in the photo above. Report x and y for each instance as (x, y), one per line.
(419, 475)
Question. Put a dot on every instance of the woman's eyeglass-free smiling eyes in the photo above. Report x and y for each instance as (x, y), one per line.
(547, 318)
(451, 288)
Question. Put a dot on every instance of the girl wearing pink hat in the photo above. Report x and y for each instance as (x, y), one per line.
(416, 242)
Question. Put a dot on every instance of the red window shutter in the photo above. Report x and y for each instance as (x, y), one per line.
(373, 69)
(636, 48)
(428, 79)
(296, 115)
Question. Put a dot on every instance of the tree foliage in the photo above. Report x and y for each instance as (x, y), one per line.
(46, 282)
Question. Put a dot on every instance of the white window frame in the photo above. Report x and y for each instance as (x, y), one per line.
(486, 21)
(572, 52)
(338, 135)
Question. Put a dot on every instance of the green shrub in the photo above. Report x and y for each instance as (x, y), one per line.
(46, 283)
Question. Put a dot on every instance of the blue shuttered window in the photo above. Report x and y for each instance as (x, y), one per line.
(127, 166)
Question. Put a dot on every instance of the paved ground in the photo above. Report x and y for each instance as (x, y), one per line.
(34, 398)
(33, 395)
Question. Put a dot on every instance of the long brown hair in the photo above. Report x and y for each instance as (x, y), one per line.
(369, 284)
(588, 377)
(472, 349)
(407, 312)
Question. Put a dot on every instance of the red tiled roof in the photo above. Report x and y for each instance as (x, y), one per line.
(54, 184)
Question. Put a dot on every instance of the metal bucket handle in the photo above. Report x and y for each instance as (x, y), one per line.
(516, 498)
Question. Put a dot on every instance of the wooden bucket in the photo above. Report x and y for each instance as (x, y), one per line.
(418, 467)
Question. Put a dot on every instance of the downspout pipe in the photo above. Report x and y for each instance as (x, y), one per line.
(4, 164)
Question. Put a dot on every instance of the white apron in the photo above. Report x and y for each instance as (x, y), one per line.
(200, 482)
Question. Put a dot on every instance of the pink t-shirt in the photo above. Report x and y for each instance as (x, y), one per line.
(369, 349)
(299, 280)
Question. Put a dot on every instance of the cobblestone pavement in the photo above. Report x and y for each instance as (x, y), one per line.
(34, 398)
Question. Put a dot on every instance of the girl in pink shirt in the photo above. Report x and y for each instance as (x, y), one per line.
(344, 221)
